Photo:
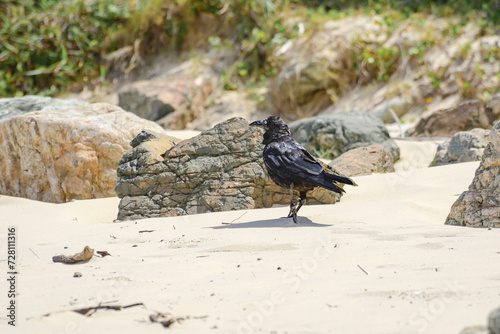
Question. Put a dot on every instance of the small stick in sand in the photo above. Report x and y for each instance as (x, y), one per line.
(364, 270)
(232, 221)
(35, 254)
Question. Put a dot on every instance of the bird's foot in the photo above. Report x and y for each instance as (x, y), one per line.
(293, 208)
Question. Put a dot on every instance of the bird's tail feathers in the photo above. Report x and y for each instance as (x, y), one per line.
(338, 178)
(329, 180)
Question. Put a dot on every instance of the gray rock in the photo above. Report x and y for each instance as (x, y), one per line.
(19, 105)
(493, 325)
(480, 205)
(464, 146)
(173, 98)
(479, 329)
(328, 136)
(399, 105)
(493, 107)
(221, 169)
(230, 104)
(494, 321)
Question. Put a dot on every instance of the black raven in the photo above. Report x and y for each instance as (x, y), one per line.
(290, 165)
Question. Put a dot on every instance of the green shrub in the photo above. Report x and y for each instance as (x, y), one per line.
(47, 45)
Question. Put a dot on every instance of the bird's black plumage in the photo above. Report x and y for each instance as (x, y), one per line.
(291, 166)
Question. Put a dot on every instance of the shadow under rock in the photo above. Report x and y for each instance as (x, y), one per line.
(277, 222)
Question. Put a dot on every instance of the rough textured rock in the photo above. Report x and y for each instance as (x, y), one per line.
(314, 71)
(445, 123)
(493, 326)
(230, 104)
(19, 105)
(480, 205)
(364, 160)
(338, 66)
(479, 329)
(60, 155)
(464, 146)
(493, 107)
(174, 99)
(221, 169)
(331, 135)
(494, 321)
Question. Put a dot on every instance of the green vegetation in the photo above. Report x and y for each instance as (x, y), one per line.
(48, 46)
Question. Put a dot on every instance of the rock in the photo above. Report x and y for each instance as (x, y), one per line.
(398, 105)
(221, 169)
(494, 321)
(479, 329)
(19, 105)
(328, 136)
(173, 99)
(60, 155)
(445, 123)
(153, 99)
(493, 325)
(230, 104)
(364, 160)
(480, 205)
(317, 69)
(493, 107)
(464, 146)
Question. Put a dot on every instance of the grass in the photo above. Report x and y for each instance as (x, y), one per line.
(50, 46)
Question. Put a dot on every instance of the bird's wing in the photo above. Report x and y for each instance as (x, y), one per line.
(286, 158)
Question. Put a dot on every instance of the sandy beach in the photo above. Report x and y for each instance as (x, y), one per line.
(379, 261)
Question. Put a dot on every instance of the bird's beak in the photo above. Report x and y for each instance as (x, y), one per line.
(257, 123)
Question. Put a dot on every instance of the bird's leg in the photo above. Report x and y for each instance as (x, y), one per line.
(301, 201)
(292, 205)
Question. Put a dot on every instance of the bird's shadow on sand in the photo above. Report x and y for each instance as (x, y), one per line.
(269, 223)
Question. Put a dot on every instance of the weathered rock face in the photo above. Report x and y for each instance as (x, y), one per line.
(445, 123)
(230, 104)
(60, 155)
(494, 321)
(173, 99)
(464, 146)
(219, 170)
(334, 134)
(330, 68)
(19, 105)
(315, 66)
(480, 205)
(364, 160)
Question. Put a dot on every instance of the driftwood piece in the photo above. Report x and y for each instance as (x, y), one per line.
(84, 255)
(166, 319)
(88, 311)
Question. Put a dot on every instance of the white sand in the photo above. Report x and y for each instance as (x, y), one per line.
(425, 277)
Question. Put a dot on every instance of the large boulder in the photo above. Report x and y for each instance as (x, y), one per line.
(318, 68)
(445, 123)
(174, 98)
(494, 321)
(228, 105)
(60, 155)
(221, 169)
(464, 146)
(364, 160)
(328, 136)
(19, 105)
(480, 205)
